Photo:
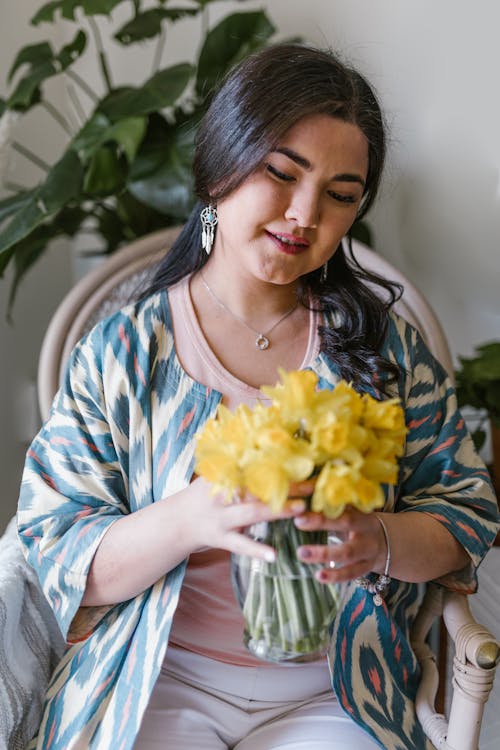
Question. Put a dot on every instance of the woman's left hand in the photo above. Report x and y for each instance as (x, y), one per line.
(363, 547)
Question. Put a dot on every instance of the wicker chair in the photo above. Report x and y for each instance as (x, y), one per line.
(476, 651)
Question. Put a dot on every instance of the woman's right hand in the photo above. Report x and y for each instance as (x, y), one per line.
(221, 524)
(138, 549)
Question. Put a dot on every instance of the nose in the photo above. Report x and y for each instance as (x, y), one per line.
(303, 209)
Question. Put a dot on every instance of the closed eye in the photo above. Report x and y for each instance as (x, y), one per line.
(279, 175)
(342, 198)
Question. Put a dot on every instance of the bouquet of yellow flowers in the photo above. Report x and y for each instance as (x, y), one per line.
(350, 443)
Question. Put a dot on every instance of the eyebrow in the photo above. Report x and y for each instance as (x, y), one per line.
(306, 164)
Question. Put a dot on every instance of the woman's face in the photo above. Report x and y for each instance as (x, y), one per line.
(288, 217)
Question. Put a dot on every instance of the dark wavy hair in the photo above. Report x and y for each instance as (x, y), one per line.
(257, 103)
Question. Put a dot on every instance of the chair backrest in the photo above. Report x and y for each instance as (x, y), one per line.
(113, 283)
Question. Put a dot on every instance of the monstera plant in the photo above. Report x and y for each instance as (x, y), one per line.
(478, 386)
(127, 170)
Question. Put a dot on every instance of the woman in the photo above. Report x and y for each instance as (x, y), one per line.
(132, 549)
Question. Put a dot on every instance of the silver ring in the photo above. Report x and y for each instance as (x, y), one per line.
(334, 539)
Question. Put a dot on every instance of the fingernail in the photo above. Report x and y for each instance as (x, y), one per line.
(304, 553)
(300, 521)
(297, 506)
(270, 555)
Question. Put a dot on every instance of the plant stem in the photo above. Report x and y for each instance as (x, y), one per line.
(58, 117)
(15, 187)
(83, 85)
(102, 55)
(30, 156)
(204, 22)
(160, 45)
(80, 114)
(287, 611)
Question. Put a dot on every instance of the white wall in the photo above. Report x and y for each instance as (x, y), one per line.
(435, 66)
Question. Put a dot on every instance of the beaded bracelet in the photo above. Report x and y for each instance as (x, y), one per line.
(379, 588)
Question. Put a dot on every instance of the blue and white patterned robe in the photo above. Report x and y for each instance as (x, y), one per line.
(121, 436)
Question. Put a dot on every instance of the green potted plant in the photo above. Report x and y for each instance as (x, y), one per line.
(478, 386)
(126, 170)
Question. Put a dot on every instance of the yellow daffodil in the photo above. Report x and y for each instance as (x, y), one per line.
(380, 470)
(384, 415)
(340, 485)
(294, 396)
(267, 479)
(221, 469)
(352, 440)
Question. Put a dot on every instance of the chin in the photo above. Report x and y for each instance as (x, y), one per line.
(274, 273)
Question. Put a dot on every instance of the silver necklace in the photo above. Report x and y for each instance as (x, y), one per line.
(262, 341)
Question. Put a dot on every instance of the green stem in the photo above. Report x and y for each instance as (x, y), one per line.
(15, 187)
(103, 62)
(160, 45)
(281, 614)
(58, 117)
(80, 114)
(250, 605)
(266, 610)
(204, 22)
(28, 154)
(285, 608)
(82, 84)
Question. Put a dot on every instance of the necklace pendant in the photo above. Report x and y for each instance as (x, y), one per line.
(261, 342)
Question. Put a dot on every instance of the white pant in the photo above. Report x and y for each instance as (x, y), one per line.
(203, 704)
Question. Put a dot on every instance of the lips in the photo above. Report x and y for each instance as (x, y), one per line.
(289, 243)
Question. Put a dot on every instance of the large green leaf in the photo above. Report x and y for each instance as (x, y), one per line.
(63, 184)
(484, 367)
(43, 64)
(202, 3)
(478, 380)
(47, 12)
(14, 203)
(32, 55)
(231, 40)
(169, 190)
(136, 217)
(27, 92)
(106, 173)
(113, 230)
(489, 360)
(148, 25)
(26, 253)
(151, 151)
(161, 175)
(98, 131)
(72, 51)
(159, 92)
(70, 219)
(99, 7)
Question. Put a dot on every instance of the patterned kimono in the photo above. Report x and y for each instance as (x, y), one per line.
(121, 436)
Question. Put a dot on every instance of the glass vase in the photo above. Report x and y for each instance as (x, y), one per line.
(287, 612)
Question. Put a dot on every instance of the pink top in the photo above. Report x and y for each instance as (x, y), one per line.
(207, 595)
